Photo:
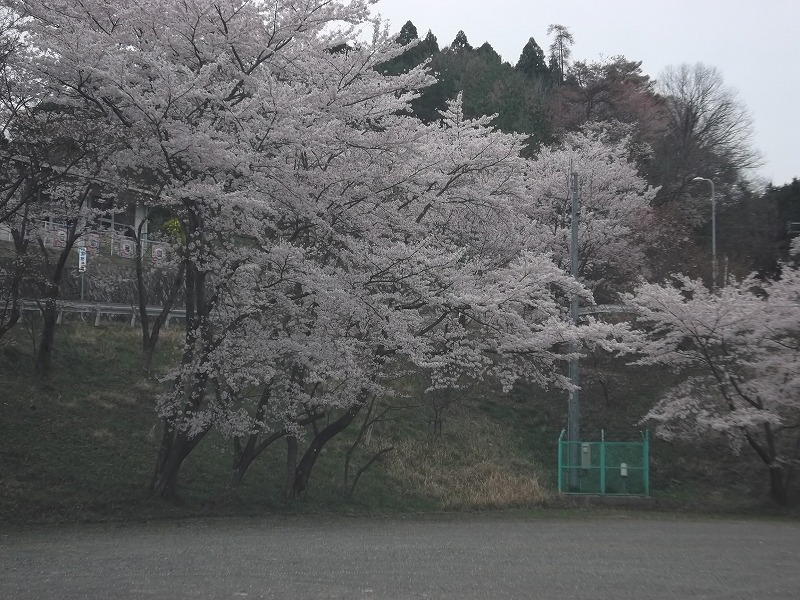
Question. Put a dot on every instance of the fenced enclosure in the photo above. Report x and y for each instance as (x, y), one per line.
(604, 468)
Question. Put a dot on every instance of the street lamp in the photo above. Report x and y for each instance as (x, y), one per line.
(713, 233)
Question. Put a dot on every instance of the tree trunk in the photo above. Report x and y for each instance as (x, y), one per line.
(45, 352)
(171, 456)
(166, 483)
(9, 317)
(175, 448)
(151, 332)
(375, 457)
(778, 475)
(240, 465)
(49, 313)
(302, 473)
(247, 455)
(10, 313)
(779, 485)
(176, 444)
(244, 456)
(291, 466)
(148, 350)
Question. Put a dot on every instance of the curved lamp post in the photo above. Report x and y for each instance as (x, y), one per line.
(713, 233)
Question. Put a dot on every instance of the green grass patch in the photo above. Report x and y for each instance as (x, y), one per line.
(81, 444)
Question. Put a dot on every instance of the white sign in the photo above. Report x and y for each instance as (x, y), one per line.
(81, 259)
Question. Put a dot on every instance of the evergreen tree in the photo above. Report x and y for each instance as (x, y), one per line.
(489, 53)
(489, 86)
(552, 66)
(531, 61)
(408, 33)
(756, 232)
(560, 50)
(413, 56)
(460, 42)
(430, 43)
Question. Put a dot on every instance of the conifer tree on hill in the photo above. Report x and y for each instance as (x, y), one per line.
(408, 33)
(531, 61)
(460, 42)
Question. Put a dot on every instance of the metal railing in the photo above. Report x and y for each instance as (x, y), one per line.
(100, 309)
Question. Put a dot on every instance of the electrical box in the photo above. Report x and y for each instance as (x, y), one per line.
(586, 456)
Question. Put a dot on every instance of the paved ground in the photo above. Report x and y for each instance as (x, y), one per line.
(365, 558)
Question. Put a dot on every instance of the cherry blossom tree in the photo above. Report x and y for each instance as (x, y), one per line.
(435, 288)
(194, 90)
(740, 352)
(615, 217)
(329, 237)
(55, 159)
(48, 157)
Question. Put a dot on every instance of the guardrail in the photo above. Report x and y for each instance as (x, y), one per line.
(608, 309)
(98, 309)
(110, 308)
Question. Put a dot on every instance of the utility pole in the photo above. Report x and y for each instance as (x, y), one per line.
(574, 411)
(714, 268)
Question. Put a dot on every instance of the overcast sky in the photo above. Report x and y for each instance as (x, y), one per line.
(754, 44)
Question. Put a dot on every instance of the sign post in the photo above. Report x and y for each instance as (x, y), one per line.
(82, 267)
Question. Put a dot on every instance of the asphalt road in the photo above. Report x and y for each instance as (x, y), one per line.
(366, 558)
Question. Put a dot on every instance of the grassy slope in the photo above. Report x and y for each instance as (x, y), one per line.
(81, 445)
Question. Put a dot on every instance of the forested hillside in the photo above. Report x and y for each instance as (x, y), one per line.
(345, 217)
(682, 124)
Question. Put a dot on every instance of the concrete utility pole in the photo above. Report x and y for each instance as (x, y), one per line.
(574, 410)
(713, 233)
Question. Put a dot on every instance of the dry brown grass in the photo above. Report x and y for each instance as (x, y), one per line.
(109, 399)
(472, 470)
(85, 338)
(102, 434)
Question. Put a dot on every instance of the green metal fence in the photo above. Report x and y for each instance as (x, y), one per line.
(604, 468)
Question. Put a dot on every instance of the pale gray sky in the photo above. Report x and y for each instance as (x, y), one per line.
(755, 44)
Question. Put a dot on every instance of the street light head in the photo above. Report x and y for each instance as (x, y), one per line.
(699, 179)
